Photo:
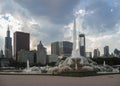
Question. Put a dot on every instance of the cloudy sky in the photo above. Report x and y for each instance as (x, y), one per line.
(52, 20)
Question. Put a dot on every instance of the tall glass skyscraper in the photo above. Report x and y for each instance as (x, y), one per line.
(8, 45)
(82, 44)
(106, 51)
(62, 48)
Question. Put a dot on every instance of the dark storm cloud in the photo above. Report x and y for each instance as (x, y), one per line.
(104, 17)
(59, 11)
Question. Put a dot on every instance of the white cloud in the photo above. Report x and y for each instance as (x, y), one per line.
(81, 12)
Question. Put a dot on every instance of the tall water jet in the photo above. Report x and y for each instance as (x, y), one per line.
(27, 69)
(104, 63)
(74, 35)
(75, 51)
(73, 56)
(28, 65)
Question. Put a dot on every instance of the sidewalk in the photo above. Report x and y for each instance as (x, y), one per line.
(37, 80)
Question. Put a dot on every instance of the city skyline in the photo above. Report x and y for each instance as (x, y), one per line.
(98, 20)
(80, 40)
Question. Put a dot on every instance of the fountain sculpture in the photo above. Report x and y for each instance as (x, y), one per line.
(78, 63)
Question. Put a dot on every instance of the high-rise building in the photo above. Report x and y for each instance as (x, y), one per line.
(106, 51)
(117, 53)
(8, 45)
(1, 54)
(41, 54)
(21, 41)
(65, 48)
(82, 44)
(89, 54)
(55, 48)
(96, 53)
(24, 55)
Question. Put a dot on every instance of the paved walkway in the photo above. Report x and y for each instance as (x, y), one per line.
(37, 80)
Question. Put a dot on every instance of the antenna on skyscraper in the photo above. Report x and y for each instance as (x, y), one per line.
(8, 28)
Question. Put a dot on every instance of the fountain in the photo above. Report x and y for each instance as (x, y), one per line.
(77, 63)
(104, 63)
(31, 70)
(27, 70)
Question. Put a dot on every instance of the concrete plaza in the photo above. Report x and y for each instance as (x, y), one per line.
(38, 80)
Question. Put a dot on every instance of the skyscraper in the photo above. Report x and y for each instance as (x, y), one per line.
(1, 54)
(41, 54)
(21, 41)
(65, 48)
(88, 54)
(96, 53)
(55, 48)
(8, 45)
(106, 51)
(82, 44)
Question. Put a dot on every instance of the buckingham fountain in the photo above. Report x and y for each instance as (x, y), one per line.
(79, 64)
